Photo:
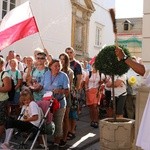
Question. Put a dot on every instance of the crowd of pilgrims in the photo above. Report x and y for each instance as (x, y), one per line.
(73, 83)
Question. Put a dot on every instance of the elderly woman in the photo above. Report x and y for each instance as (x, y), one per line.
(93, 84)
(58, 82)
(5, 86)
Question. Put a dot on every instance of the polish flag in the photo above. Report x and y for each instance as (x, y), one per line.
(92, 61)
(17, 24)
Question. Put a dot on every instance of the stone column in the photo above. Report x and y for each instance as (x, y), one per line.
(140, 105)
(146, 34)
(143, 91)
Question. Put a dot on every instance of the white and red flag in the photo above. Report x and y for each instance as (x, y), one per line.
(17, 24)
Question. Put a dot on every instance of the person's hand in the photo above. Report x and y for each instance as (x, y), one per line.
(58, 91)
(31, 87)
(36, 87)
(109, 84)
(119, 53)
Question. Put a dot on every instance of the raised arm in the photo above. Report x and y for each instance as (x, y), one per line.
(49, 57)
(137, 67)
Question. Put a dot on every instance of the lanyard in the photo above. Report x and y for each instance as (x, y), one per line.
(53, 79)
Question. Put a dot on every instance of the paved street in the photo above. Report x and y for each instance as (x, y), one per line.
(87, 137)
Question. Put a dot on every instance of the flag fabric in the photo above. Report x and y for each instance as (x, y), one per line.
(17, 24)
(92, 61)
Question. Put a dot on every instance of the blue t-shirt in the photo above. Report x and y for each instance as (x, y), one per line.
(60, 81)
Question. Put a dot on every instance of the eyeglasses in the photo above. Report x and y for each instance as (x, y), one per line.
(42, 58)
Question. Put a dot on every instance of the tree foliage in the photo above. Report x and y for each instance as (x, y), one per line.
(106, 61)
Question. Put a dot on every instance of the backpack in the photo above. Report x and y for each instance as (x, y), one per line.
(11, 93)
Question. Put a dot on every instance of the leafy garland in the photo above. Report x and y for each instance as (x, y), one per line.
(106, 61)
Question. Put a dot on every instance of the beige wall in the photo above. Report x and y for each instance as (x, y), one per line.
(135, 30)
(140, 105)
(146, 34)
(143, 91)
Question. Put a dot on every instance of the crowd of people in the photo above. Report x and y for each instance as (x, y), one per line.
(73, 84)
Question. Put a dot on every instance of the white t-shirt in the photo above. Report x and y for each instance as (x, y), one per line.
(32, 109)
(95, 79)
(120, 89)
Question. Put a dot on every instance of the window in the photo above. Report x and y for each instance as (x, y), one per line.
(98, 36)
(79, 36)
(7, 5)
(126, 26)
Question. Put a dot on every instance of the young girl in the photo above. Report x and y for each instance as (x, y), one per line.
(92, 85)
(31, 116)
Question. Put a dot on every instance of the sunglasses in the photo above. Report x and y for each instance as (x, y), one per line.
(42, 58)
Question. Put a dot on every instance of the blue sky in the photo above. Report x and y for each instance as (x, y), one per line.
(129, 8)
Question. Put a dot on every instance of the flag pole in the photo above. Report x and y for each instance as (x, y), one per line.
(37, 27)
(41, 40)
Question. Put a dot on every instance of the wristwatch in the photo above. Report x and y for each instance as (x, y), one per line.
(125, 57)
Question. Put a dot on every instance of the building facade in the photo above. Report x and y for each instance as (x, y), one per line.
(83, 24)
(129, 33)
(146, 34)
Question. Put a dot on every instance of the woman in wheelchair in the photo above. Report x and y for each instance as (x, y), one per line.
(29, 119)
